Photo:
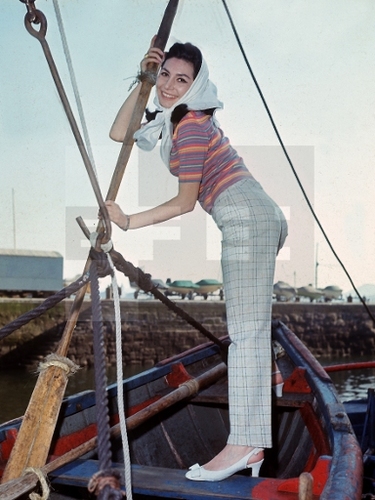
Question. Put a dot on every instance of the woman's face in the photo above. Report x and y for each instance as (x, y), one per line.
(175, 78)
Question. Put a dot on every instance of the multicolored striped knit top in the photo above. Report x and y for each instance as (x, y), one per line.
(201, 153)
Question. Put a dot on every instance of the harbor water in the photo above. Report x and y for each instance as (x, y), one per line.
(16, 385)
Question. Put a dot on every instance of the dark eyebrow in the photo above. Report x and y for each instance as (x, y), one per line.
(186, 76)
(178, 74)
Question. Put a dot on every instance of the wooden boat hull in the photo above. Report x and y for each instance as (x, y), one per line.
(312, 432)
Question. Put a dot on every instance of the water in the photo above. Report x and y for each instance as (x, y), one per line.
(351, 384)
(17, 385)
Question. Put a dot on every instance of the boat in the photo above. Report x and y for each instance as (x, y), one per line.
(208, 287)
(284, 291)
(310, 292)
(184, 288)
(361, 413)
(177, 414)
(156, 282)
(332, 292)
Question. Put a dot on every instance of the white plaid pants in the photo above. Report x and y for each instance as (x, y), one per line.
(254, 229)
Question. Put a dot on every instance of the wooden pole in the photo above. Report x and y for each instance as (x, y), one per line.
(35, 435)
(20, 486)
(305, 486)
(139, 109)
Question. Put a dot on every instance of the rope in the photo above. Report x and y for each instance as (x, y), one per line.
(145, 283)
(38, 17)
(235, 32)
(74, 83)
(43, 483)
(106, 483)
(45, 306)
(65, 364)
(104, 450)
(120, 386)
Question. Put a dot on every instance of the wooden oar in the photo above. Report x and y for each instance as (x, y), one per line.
(35, 435)
(20, 486)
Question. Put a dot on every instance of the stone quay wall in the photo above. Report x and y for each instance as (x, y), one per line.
(151, 332)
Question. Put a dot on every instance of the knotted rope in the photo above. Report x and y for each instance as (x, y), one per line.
(43, 483)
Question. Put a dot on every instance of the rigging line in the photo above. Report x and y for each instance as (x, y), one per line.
(37, 17)
(74, 83)
(235, 32)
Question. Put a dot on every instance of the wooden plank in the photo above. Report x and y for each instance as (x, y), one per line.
(218, 394)
(171, 483)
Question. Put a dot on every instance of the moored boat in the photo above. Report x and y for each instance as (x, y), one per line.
(208, 286)
(182, 287)
(177, 414)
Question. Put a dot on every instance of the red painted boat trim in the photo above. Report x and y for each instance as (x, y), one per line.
(178, 376)
(320, 474)
(350, 366)
(6, 448)
(67, 443)
(297, 382)
(316, 432)
(136, 408)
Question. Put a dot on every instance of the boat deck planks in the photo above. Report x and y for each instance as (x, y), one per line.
(163, 482)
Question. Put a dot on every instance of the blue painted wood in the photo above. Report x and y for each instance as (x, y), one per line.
(161, 482)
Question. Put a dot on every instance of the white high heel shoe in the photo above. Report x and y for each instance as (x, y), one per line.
(277, 388)
(198, 473)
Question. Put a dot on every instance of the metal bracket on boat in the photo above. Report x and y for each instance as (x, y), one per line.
(339, 418)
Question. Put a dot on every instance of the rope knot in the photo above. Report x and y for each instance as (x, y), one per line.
(106, 485)
(102, 265)
(65, 364)
(43, 484)
(147, 76)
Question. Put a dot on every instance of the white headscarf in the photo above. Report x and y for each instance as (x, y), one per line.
(201, 95)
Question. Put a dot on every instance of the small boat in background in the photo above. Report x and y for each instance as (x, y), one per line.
(208, 287)
(310, 292)
(332, 292)
(283, 291)
(177, 414)
(184, 288)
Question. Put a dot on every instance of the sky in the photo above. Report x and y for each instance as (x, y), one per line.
(314, 64)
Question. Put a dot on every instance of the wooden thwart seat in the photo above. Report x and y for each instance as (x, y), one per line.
(157, 481)
(218, 394)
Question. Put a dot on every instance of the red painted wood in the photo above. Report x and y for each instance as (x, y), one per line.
(178, 376)
(297, 382)
(320, 475)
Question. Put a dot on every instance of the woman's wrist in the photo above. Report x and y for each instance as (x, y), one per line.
(126, 224)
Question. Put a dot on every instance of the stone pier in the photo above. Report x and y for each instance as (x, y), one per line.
(150, 332)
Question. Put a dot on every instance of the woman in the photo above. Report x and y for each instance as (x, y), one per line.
(253, 229)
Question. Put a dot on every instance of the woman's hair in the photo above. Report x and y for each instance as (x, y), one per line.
(187, 52)
(190, 53)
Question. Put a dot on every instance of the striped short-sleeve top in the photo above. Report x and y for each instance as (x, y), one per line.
(201, 153)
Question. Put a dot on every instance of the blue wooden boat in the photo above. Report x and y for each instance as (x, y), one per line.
(177, 414)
